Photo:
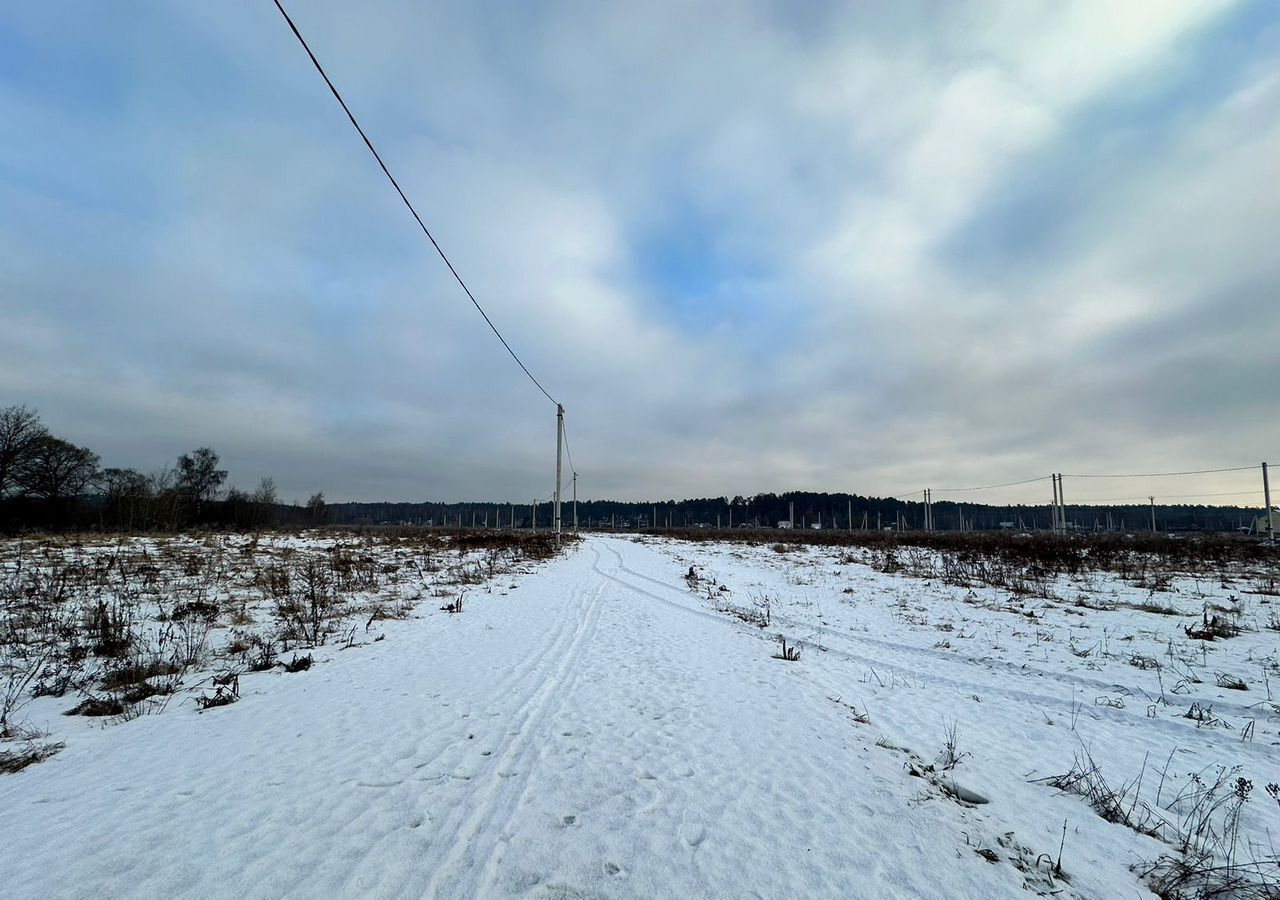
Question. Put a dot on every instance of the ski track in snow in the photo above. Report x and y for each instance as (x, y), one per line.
(931, 660)
(597, 732)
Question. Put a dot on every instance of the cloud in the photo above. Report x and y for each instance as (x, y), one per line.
(750, 247)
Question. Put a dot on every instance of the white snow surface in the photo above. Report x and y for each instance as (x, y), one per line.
(605, 729)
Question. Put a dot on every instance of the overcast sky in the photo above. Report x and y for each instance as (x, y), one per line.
(751, 246)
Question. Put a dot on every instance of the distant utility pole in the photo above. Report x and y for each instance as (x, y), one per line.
(1153, 513)
(851, 515)
(533, 518)
(575, 502)
(791, 514)
(1053, 512)
(1062, 505)
(559, 452)
(1266, 498)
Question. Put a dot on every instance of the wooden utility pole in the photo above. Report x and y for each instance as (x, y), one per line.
(1062, 505)
(575, 502)
(1266, 498)
(851, 515)
(559, 452)
(791, 514)
(1153, 513)
(1053, 512)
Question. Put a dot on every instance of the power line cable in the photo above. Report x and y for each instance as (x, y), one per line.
(989, 487)
(1164, 497)
(368, 143)
(1167, 474)
(569, 453)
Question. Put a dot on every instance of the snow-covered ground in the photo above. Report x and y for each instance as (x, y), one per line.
(608, 725)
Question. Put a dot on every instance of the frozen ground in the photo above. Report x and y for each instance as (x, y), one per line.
(608, 726)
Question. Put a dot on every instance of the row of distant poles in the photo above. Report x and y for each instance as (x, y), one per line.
(1059, 507)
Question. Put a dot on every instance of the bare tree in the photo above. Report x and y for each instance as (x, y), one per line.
(55, 469)
(20, 428)
(199, 476)
(264, 502)
(169, 498)
(316, 509)
(128, 493)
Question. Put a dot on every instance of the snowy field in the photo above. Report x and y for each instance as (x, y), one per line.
(618, 722)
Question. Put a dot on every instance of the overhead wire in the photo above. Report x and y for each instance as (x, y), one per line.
(1166, 474)
(989, 487)
(1163, 497)
(395, 184)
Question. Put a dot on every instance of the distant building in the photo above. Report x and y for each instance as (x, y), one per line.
(784, 524)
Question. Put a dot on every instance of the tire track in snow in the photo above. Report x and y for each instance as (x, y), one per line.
(477, 842)
(1121, 716)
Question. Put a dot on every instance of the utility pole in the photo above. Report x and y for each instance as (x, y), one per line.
(1266, 498)
(1153, 514)
(851, 515)
(1053, 513)
(791, 514)
(559, 452)
(575, 502)
(1062, 505)
(533, 519)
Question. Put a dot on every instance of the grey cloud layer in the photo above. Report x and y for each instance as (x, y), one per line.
(905, 289)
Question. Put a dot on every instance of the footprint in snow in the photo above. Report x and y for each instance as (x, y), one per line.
(693, 834)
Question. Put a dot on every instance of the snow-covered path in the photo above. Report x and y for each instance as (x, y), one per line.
(594, 732)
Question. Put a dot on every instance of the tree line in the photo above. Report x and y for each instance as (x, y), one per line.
(50, 483)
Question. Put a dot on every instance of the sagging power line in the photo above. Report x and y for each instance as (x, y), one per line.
(417, 218)
(560, 433)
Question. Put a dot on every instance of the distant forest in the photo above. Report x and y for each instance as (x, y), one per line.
(49, 483)
(811, 510)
